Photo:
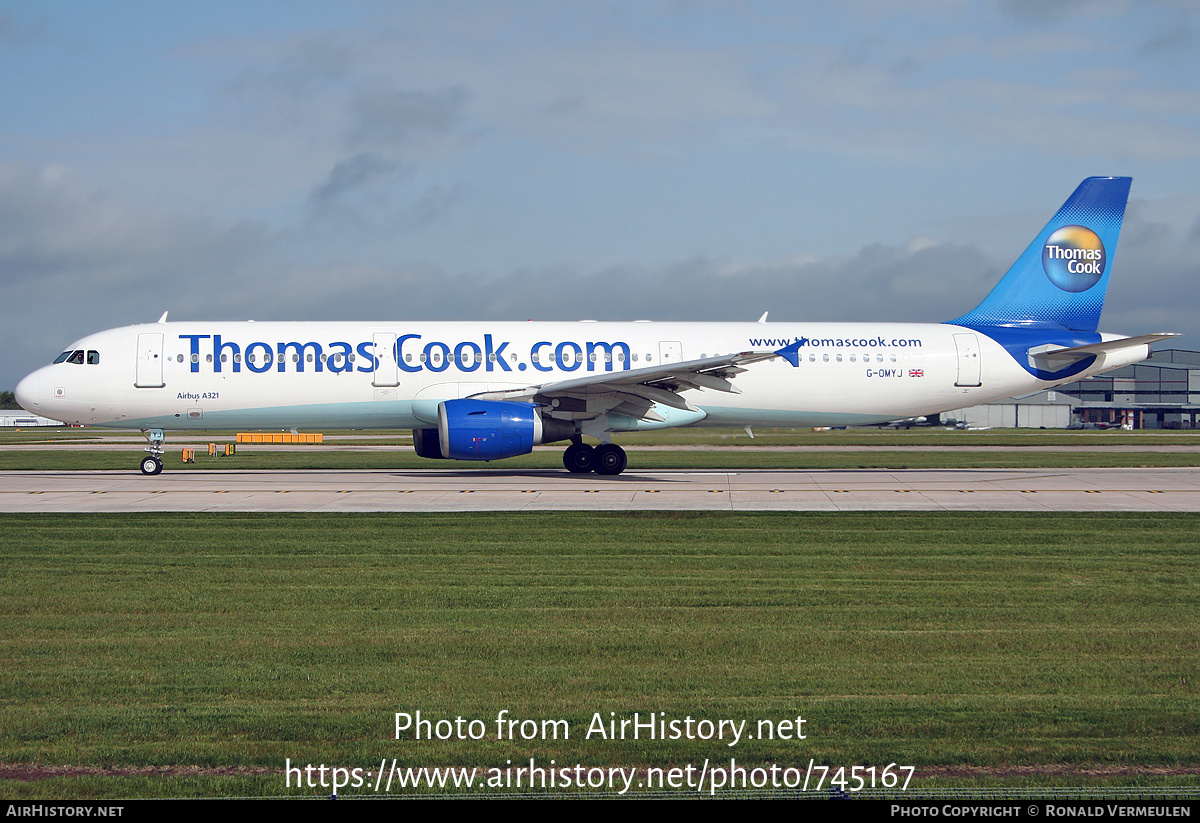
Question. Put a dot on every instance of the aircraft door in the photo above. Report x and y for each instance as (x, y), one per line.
(967, 347)
(149, 361)
(670, 351)
(387, 370)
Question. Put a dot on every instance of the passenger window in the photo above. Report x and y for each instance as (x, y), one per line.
(178, 358)
(812, 358)
(93, 357)
(839, 358)
(195, 358)
(825, 357)
(208, 358)
(851, 358)
(237, 358)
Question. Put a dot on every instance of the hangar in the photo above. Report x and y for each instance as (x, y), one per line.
(1160, 393)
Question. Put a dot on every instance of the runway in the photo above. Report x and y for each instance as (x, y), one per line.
(436, 490)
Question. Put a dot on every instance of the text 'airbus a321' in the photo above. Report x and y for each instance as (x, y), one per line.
(487, 391)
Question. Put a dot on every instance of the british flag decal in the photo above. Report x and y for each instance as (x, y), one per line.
(916, 372)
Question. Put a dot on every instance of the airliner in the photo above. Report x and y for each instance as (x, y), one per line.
(486, 391)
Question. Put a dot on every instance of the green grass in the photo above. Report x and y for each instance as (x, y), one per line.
(703, 436)
(300, 458)
(233, 642)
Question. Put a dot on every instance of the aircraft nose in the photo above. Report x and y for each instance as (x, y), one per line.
(29, 393)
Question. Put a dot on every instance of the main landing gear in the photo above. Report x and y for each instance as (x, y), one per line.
(606, 459)
(152, 463)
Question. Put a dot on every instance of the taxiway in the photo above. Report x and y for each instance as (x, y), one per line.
(434, 490)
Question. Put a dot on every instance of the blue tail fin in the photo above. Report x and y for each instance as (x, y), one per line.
(1060, 280)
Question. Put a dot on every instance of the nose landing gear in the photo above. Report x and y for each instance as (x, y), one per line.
(152, 463)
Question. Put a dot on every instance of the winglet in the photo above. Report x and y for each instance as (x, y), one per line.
(791, 352)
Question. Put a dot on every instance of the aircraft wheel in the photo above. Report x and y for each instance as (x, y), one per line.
(579, 458)
(151, 465)
(610, 459)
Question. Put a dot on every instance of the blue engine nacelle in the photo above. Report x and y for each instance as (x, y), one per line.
(487, 429)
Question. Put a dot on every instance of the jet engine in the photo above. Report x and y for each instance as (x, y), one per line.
(488, 430)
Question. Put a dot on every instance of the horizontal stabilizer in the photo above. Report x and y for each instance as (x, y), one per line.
(1053, 358)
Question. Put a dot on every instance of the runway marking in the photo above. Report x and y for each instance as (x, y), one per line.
(377, 490)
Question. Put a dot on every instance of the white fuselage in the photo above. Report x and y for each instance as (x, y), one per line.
(316, 374)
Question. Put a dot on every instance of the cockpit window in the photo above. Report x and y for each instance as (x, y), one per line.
(77, 356)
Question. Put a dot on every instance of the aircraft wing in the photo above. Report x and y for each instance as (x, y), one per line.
(634, 392)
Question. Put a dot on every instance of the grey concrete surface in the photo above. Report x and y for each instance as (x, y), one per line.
(467, 489)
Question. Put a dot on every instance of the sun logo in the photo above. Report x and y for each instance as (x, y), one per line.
(1074, 258)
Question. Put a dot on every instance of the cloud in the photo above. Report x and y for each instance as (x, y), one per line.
(395, 117)
(362, 169)
(1177, 38)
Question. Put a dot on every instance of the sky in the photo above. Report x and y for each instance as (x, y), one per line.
(673, 160)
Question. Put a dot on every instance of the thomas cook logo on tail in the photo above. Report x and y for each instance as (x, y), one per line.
(1074, 258)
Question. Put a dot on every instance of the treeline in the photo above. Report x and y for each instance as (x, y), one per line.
(8, 400)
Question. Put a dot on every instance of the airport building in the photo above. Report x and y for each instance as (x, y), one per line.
(1160, 393)
(17, 417)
